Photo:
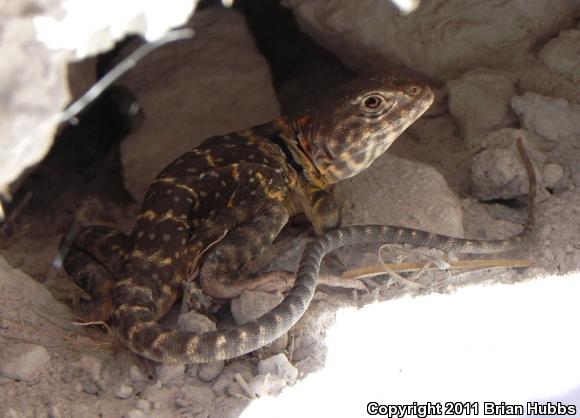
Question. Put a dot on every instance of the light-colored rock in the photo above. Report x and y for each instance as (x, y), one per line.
(266, 385)
(38, 40)
(22, 361)
(195, 322)
(210, 371)
(499, 173)
(480, 100)
(552, 118)
(562, 54)
(167, 373)
(553, 175)
(442, 38)
(136, 374)
(134, 413)
(123, 391)
(395, 191)
(92, 366)
(251, 305)
(143, 405)
(213, 84)
(538, 78)
(199, 397)
(226, 382)
(279, 365)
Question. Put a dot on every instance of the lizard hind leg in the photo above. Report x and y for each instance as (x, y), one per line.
(92, 261)
(220, 272)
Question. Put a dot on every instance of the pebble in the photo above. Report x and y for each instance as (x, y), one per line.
(92, 366)
(54, 412)
(279, 365)
(267, 385)
(143, 405)
(169, 372)
(21, 361)
(134, 413)
(553, 174)
(136, 375)
(123, 391)
(210, 371)
(90, 387)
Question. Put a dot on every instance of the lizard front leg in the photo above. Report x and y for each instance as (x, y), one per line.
(322, 209)
(93, 260)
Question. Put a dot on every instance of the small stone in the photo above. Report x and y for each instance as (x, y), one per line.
(11, 413)
(169, 372)
(54, 412)
(251, 305)
(21, 361)
(143, 405)
(570, 249)
(553, 174)
(267, 385)
(78, 388)
(92, 366)
(102, 384)
(90, 387)
(134, 413)
(195, 322)
(123, 391)
(136, 375)
(279, 365)
(210, 371)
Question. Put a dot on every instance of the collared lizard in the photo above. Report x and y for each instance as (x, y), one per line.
(219, 205)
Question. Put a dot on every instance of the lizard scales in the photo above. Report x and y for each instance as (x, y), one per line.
(217, 206)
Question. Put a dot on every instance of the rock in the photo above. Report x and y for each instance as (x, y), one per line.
(552, 118)
(136, 374)
(195, 322)
(209, 372)
(90, 387)
(123, 391)
(562, 54)
(22, 361)
(92, 366)
(553, 175)
(266, 385)
(226, 382)
(251, 305)
(135, 413)
(166, 373)
(191, 90)
(480, 100)
(195, 395)
(499, 173)
(23, 299)
(417, 197)
(279, 365)
(538, 78)
(143, 405)
(38, 40)
(441, 38)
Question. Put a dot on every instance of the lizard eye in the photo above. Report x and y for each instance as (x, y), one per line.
(413, 90)
(373, 103)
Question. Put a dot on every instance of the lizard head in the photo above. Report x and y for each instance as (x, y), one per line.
(357, 124)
